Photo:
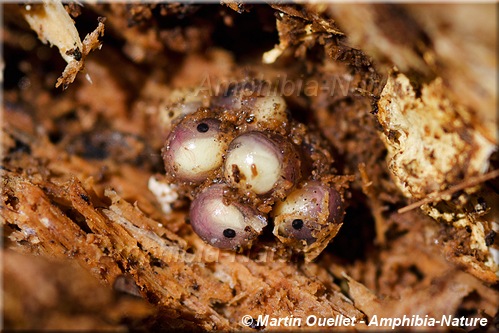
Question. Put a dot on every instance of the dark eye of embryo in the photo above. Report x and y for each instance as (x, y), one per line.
(229, 233)
(203, 127)
(297, 224)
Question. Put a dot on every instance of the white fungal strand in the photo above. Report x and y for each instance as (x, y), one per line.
(165, 193)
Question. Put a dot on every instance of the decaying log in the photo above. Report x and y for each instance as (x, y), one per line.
(404, 94)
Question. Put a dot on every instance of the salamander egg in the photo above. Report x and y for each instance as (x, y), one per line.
(306, 212)
(194, 149)
(224, 225)
(261, 163)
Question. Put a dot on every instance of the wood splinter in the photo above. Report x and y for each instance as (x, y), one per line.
(435, 196)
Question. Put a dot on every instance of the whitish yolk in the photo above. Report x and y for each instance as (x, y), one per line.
(198, 156)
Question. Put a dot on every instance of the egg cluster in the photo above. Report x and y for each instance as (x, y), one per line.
(246, 164)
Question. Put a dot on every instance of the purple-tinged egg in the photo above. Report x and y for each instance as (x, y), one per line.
(255, 101)
(226, 225)
(309, 214)
(194, 149)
